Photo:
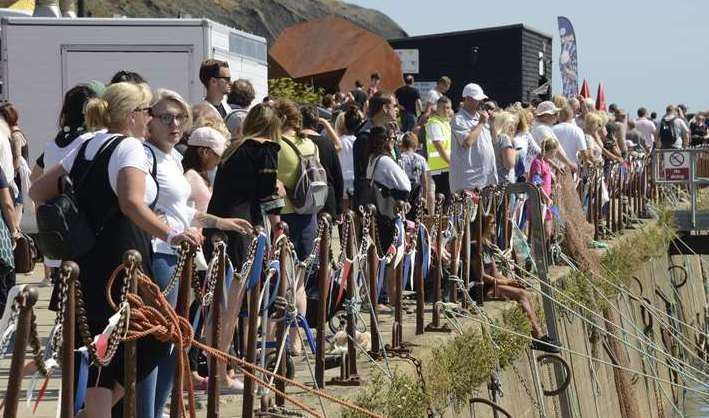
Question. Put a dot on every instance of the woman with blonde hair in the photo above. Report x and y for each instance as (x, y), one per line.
(171, 117)
(116, 190)
(524, 143)
(245, 187)
(504, 127)
(593, 129)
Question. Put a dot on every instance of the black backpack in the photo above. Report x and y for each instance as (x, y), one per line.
(64, 230)
(668, 136)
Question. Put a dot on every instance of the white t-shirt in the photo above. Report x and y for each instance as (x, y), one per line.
(527, 149)
(434, 132)
(571, 138)
(541, 131)
(129, 153)
(388, 173)
(175, 190)
(647, 128)
(6, 163)
(347, 160)
(53, 153)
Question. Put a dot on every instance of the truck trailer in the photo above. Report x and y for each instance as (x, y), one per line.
(41, 58)
(44, 57)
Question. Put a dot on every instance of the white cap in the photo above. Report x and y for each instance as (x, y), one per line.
(546, 108)
(474, 91)
(208, 137)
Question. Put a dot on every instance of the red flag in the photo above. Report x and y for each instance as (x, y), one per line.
(585, 90)
(601, 98)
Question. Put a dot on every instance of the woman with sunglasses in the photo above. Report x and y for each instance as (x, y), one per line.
(171, 117)
(116, 190)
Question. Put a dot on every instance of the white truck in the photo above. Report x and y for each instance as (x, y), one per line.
(41, 58)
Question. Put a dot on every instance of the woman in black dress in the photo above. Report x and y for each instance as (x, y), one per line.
(116, 196)
(245, 187)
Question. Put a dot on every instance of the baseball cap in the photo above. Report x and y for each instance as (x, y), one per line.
(546, 108)
(208, 137)
(474, 91)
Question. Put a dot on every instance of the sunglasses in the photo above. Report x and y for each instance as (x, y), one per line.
(142, 109)
(167, 118)
(227, 79)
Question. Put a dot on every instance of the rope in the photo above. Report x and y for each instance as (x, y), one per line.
(163, 323)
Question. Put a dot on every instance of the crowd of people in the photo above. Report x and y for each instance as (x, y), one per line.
(152, 171)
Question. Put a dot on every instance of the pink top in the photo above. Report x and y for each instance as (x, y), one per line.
(541, 169)
(201, 192)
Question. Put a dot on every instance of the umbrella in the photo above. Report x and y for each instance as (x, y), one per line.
(601, 98)
(585, 90)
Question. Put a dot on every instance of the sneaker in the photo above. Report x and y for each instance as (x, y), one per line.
(546, 344)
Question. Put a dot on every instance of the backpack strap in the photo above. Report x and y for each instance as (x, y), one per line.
(81, 154)
(292, 145)
(154, 174)
(370, 176)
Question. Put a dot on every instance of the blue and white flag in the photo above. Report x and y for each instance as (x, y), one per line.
(568, 61)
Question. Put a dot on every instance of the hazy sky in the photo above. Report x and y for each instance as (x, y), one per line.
(645, 52)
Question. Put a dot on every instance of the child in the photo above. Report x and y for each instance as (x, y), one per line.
(540, 175)
(416, 168)
(495, 284)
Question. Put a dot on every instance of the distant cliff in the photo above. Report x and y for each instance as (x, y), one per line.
(265, 18)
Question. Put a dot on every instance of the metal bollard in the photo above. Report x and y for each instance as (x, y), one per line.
(348, 368)
(435, 325)
(418, 279)
(68, 330)
(182, 309)
(27, 298)
(324, 283)
(373, 268)
(397, 334)
(247, 410)
(466, 257)
(213, 383)
(282, 327)
(130, 351)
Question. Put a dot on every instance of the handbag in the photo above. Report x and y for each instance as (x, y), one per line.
(25, 253)
(380, 195)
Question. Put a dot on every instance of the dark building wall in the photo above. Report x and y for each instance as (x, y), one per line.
(498, 65)
(532, 44)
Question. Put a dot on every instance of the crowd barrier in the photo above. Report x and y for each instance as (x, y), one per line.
(613, 197)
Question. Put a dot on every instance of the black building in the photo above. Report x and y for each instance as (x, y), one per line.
(509, 62)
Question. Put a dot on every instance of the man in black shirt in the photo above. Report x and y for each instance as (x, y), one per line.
(215, 75)
(360, 96)
(409, 100)
(382, 112)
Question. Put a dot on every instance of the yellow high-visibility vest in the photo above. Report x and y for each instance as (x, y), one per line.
(436, 163)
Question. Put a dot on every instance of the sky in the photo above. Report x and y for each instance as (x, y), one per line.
(646, 53)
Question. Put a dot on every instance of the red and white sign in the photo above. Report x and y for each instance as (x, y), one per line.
(676, 165)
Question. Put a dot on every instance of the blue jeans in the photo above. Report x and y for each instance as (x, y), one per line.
(155, 388)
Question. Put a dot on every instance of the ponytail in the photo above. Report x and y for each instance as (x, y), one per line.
(97, 115)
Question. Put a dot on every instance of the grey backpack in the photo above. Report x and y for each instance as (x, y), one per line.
(310, 191)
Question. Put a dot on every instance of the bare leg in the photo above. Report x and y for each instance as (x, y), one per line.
(521, 296)
(301, 303)
(235, 297)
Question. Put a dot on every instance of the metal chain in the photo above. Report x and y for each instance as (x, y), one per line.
(115, 338)
(211, 279)
(183, 253)
(417, 365)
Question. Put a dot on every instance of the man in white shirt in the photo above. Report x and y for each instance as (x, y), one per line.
(646, 127)
(571, 137)
(472, 153)
(430, 99)
(215, 75)
(546, 116)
